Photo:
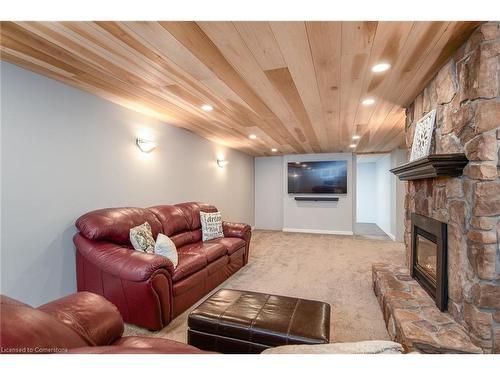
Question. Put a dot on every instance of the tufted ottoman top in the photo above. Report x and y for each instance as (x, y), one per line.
(252, 322)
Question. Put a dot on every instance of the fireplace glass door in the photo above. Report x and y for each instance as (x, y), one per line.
(427, 256)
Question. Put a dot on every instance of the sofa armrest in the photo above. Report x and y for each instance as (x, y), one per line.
(94, 318)
(121, 262)
(236, 230)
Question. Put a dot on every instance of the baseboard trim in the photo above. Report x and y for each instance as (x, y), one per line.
(318, 231)
(392, 236)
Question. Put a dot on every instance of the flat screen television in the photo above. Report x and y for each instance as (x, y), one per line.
(317, 177)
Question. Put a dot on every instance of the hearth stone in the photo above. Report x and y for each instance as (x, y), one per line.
(412, 318)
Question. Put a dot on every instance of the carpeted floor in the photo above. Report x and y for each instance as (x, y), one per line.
(330, 268)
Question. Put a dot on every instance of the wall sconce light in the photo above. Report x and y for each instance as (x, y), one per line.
(145, 145)
(222, 163)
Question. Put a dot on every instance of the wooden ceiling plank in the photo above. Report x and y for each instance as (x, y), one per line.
(174, 53)
(357, 41)
(121, 30)
(422, 36)
(417, 74)
(284, 84)
(24, 40)
(117, 32)
(90, 74)
(96, 56)
(230, 44)
(453, 37)
(395, 123)
(260, 40)
(120, 98)
(397, 141)
(390, 41)
(218, 117)
(189, 106)
(294, 45)
(204, 47)
(363, 145)
(168, 47)
(296, 85)
(390, 120)
(325, 40)
(35, 62)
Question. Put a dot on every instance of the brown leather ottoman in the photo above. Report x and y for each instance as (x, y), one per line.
(236, 321)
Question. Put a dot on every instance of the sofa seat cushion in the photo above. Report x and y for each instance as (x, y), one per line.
(212, 251)
(196, 256)
(188, 264)
(232, 244)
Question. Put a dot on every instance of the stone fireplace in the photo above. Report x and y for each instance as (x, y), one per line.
(466, 94)
(428, 260)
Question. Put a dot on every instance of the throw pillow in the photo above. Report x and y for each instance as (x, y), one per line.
(211, 225)
(166, 247)
(142, 239)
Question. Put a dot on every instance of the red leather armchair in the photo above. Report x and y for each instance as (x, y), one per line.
(146, 288)
(79, 323)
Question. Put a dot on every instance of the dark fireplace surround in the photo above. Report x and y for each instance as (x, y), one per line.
(429, 265)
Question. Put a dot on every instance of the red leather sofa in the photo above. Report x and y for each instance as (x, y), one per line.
(79, 323)
(146, 288)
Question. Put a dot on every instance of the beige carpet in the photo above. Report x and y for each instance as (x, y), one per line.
(330, 268)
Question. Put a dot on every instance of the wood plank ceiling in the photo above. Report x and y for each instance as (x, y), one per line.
(297, 86)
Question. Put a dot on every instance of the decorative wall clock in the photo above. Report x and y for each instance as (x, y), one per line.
(423, 136)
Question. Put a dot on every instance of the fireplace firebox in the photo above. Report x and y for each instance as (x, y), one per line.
(429, 264)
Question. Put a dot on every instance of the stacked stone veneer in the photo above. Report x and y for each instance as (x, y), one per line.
(466, 94)
(411, 315)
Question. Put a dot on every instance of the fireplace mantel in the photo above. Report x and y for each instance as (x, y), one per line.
(437, 165)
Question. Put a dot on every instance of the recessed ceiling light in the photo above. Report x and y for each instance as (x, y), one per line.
(368, 101)
(274, 150)
(352, 146)
(252, 136)
(382, 67)
(207, 107)
(356, 137)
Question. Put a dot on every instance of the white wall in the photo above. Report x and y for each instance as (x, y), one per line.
(381, 194)
(269, 193)
(384, 194)
(65, 152)
(398, 157)
(276, 209)
(366, 209)
(319, 217)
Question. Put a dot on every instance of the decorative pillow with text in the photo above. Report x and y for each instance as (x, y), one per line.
(211, 225)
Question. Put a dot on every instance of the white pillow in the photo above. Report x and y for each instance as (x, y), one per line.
(141, 238)
(211, 225)
(166, 247)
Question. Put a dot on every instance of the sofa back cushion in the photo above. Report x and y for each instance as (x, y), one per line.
(172, 219)
(182, 221)
(28, 330)
(114, 224)
(192, 212)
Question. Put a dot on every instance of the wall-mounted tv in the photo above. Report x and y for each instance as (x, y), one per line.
(317, 177)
